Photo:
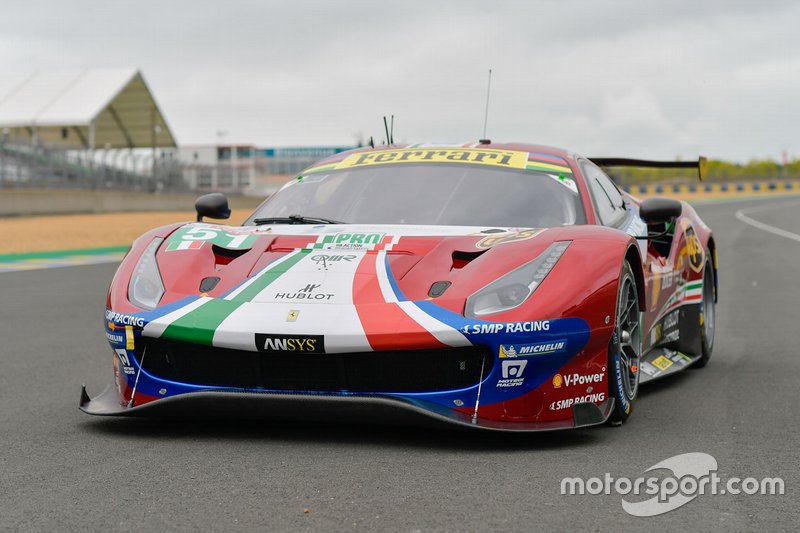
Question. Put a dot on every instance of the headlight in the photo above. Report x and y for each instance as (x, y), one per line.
(514, 288)
(146, 288)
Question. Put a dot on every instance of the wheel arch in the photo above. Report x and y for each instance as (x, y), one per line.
(635, 260)
(712, 252)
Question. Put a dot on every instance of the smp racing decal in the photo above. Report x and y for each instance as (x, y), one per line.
(276, 343)
(493, 328)
(569, 402)
(123, 319)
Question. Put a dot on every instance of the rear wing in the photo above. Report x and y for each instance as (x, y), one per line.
(700, 164)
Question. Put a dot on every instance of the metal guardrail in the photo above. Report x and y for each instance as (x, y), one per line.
(41, 166)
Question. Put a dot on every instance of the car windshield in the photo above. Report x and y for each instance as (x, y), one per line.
(430, 194)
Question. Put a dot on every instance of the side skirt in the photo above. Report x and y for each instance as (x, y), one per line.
(660, 362)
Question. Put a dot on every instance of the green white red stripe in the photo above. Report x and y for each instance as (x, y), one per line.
(317, 285)
(689, 293)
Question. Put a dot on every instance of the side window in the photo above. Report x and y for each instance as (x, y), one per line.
(608, 201)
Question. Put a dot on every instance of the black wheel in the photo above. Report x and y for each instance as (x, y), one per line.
(708, 316)
(625, 349)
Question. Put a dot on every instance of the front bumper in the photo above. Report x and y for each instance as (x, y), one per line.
(523, 375)
(329, 408)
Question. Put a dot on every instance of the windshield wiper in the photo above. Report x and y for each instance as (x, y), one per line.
(295, 219)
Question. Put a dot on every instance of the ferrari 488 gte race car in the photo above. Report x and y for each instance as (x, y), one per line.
(494, 286)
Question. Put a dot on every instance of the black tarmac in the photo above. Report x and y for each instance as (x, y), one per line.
(63, 470)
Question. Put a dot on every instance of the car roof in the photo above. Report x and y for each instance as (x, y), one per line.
(539, 149)
(522, 147)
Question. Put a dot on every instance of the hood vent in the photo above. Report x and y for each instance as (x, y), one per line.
(462, 259)
(223, 256)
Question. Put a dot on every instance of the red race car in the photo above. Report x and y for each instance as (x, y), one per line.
(494, 286)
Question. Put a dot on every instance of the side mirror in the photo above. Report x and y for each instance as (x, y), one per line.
(659, 210)
(214, 205)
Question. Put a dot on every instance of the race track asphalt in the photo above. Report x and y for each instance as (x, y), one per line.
(63, 470)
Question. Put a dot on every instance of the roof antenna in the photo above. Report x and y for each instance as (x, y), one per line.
(391, 131)
(372, 142)
(386, 127)
(486, 115)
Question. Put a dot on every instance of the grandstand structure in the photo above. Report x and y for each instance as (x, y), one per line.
(102, 128)
(89, 108)
(85, 128)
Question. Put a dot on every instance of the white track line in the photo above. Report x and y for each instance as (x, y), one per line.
(740, 215)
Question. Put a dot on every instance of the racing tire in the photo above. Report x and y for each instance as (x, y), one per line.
(625, 349)
(708, 316)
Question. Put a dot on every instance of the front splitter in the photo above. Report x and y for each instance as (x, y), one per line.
(327, 408)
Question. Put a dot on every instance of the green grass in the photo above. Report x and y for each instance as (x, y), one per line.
(61, 253)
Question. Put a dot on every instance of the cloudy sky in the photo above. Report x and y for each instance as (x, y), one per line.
(654, 79)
